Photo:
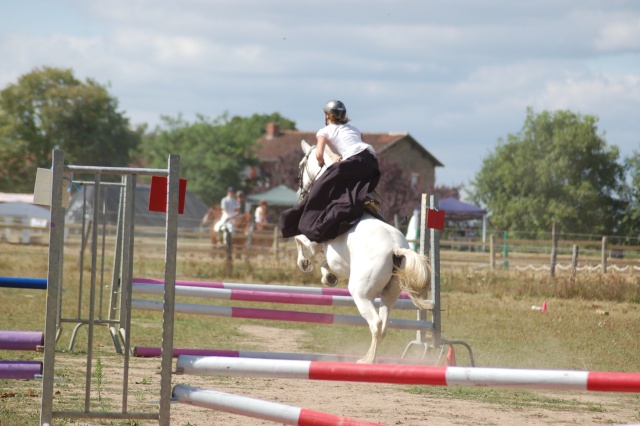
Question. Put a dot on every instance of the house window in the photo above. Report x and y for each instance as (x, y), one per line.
(415, 178)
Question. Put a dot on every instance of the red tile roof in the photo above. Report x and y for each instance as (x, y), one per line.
(274, 145)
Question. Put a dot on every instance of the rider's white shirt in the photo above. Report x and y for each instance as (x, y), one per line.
(230, 205)
(345, 139)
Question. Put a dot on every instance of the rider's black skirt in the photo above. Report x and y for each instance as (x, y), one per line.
(336, 200)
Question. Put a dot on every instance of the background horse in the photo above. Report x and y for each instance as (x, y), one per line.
(215, 216)
(211, 217)
(373, 255)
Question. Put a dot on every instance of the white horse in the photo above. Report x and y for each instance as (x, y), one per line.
(374, 257)
(224, 226)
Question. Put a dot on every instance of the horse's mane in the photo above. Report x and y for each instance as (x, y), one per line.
(330, 155)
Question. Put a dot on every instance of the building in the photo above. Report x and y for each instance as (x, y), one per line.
(419, 165)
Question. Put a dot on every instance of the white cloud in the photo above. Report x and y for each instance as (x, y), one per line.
(165, 50)
(596, 93)
(620, 33)
(456, 74)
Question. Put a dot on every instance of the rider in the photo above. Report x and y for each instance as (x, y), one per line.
(230, 203)
(335, 202)
(230, 209)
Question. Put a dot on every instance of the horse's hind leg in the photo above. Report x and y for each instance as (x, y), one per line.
(388, 298)
(368, 311)
(328, 277)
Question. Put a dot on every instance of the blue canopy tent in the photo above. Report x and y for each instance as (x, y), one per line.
(456, 210)
(459, 210)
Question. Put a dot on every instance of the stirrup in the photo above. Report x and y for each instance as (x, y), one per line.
(372, 206)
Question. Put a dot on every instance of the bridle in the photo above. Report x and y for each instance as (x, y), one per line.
(303, 192)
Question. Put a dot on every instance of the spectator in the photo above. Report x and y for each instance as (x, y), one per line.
(261, 215)
(243, 217)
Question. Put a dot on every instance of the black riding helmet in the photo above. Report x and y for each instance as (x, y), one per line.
(335, 107)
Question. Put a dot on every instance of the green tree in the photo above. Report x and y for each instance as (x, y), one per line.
(214, 153)
(630, 225)
(557, 168)
(49, 108)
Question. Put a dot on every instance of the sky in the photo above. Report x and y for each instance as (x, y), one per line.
(457, 75)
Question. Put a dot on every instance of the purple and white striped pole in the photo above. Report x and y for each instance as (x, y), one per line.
(20, 370)
(260, 409)
(14, 340)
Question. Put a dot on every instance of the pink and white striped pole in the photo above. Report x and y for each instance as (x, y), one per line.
(411, 374)
(277, 315)
(260, 409)
(257, 287)
(262, 296)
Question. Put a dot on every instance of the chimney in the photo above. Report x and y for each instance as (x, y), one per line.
(273, 130)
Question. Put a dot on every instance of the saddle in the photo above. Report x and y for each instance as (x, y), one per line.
(373, 207)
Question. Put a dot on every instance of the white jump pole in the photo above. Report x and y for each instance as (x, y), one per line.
(151, 352)
(411, 374)
(260, 409)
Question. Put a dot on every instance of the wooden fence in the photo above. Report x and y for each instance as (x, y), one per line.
(555, 256)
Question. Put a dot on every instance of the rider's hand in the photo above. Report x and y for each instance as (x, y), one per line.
(320, 162)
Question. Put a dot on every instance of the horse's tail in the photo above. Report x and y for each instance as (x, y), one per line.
(414, 275)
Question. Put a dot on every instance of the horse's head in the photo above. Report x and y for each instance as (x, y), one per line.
(309, 168)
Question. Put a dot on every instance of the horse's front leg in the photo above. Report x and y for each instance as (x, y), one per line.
(213, 235)
(305, 264)
(304, 256)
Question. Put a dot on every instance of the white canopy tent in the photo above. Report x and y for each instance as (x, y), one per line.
(23, 215)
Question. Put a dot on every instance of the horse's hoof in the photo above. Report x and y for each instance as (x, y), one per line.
(305, 265)
(331, 280)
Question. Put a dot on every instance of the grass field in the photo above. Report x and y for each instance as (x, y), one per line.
(592, 323)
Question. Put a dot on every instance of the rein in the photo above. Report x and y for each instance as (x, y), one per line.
(304, 168)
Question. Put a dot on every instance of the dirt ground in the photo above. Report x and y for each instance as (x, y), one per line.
(385, 404)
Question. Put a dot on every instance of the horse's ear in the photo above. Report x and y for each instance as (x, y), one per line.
(305, 146)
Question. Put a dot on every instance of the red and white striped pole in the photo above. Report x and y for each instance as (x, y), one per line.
(411, 374)
(260, 409)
